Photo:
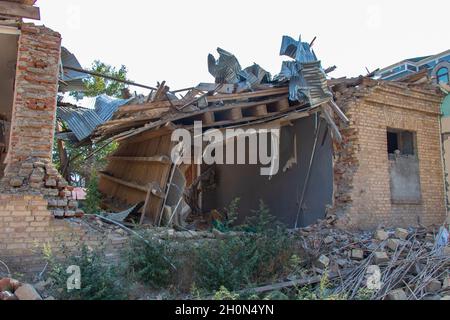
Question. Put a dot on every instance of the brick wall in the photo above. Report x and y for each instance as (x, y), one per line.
(34, 198)
(362, 177)
(36, 88)
(26, 226)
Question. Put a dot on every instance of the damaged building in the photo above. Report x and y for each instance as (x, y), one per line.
(359, 151)
(378, 164)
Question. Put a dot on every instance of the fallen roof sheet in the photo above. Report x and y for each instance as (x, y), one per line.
(83, 121)
(71, 80)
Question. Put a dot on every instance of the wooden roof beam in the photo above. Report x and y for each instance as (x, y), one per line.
(20, 10)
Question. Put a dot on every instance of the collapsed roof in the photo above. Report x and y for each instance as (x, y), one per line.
(238, 96)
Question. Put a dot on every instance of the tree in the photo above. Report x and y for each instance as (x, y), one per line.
(95, 86)
(79, 169)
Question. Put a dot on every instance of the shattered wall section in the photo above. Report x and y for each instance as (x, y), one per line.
(363, 195)
(33, 122)
(29, 168)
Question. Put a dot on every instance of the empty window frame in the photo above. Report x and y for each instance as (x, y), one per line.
(401, 141)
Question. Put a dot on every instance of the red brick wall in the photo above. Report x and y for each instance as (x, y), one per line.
(362, 177)
(36, 87)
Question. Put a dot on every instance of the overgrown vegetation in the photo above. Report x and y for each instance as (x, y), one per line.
(100, 280)
(233, 263)
(93, 196)
(264, 252)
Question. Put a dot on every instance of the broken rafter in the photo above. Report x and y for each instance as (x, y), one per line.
(97, 74)
(156, 159)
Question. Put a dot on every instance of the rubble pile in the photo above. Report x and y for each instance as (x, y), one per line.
(42, 177)
(393, 264)
(11, 289)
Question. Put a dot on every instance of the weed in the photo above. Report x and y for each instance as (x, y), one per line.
(99, 280)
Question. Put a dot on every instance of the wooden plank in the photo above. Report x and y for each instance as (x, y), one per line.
(208, 118)
(128, 184)
(19, 10)
(257, 111)
(339, 112)
(146, 208)
(154, 159)
(278, 106)
(329, 119)
(156, 191)
(230, 114)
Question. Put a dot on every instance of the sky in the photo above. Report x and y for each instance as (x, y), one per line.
(171, 39)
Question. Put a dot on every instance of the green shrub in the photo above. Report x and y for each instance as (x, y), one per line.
(229, 263)
(93, 196)
(99, 279)
(152, 262)
(231, 216)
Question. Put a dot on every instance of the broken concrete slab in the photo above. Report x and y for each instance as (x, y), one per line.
(401, 233)
(357, 254)
(381, 235)
(381, 257)
(433, 286)
(393, 244)
(27, 292)
(323, 262)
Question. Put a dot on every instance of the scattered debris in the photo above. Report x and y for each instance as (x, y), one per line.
(11, 289)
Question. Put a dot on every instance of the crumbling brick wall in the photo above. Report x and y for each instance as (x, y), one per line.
(29, 167)
(36, 88)
(34, 198)
(27, 226)
(362, 176)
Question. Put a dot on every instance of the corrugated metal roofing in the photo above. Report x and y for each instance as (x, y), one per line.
(83, 121)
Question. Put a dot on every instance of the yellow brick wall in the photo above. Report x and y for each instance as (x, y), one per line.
(364, 200)
(26, 226)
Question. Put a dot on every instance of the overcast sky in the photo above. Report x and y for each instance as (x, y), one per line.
(170, 40)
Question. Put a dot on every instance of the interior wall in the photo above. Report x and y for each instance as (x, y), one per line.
(8, 60)
(283, 191)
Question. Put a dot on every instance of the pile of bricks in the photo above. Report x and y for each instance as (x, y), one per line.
(40, 177)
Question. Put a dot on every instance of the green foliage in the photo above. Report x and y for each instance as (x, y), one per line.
(151, 262)
(262, 221)
(233, 263)
(224, 295)
(93, 196)
(99, 279)
(229, 263)
(364, 294)
(230, 218)
(95, 86)
(323, 291)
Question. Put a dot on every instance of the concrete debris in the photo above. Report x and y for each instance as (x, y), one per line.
(401, 233)
(323, 262)
(357, 254)
(381, 235)
(27, 292)
(398, 294)
(433, 286)
(381, 257)
(11, 289)
(407, 264)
